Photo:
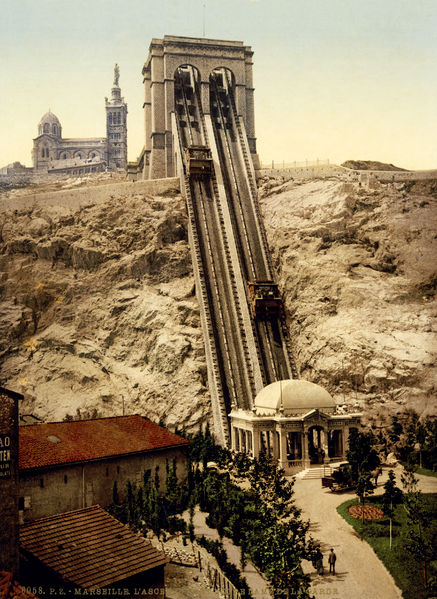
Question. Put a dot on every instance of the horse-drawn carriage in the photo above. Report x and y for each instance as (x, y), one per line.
(340, 479)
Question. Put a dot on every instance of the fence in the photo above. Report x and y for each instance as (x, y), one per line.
(214, 577)
(206, 563)
(278, 164)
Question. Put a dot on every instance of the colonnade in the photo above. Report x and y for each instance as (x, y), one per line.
(294, 449)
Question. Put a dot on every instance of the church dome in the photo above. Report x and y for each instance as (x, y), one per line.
(49, 124)
(296, 396)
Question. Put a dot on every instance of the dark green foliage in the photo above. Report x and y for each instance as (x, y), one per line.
(176, 524)
(115, 498)
(343, 475)
(362, 455)
(392, 495)
(262, 520)
(419, 542)
(395, 430)
(216, 549)
(143, 508)
(407, 570)
(415, 441)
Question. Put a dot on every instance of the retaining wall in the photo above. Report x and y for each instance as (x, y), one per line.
(78, 196)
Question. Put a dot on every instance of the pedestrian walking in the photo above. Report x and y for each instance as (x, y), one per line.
(331, 561)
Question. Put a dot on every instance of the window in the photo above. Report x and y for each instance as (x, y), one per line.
(41, 483)
(110, 118)
(46, 128)
(64, 156)
(54, 129)
(65, 479)
(118, 469)
(21, 503)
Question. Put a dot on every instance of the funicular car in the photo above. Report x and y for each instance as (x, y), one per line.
(265, 298)
(199, 161)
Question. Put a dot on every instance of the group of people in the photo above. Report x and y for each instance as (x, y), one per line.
(318, 562)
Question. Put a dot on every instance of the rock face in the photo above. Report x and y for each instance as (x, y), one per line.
(98, 313)
(358, 271)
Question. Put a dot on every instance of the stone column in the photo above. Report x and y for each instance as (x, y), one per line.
(305, 449)
(283, 460)
(169, 108)
(255, 443)
(345, 440)
(325, 447)
(204, 96)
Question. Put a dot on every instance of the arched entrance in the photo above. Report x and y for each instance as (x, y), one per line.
(187, 100)
(316, 441)
(222, 97)
(335, 444)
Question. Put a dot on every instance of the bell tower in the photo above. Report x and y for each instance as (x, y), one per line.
(116, 127)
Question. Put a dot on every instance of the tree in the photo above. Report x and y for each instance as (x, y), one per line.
(396, 429)
(172, 490)
(417, 542)
(392, 496)
(363, 488)
(362, 455)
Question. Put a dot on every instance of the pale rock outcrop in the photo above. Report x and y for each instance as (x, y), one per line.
(98, 313)
(357, 268)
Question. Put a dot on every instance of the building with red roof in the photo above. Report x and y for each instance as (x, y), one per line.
(65, 466)
(86, 552)
(12, 589)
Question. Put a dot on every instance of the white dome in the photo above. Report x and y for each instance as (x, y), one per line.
(296, 396)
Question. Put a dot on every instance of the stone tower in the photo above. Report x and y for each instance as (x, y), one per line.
(116, 128)
(9, 517)
(165, 57)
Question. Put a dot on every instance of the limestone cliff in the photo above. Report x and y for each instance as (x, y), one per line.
(358, 269)
(98, 313)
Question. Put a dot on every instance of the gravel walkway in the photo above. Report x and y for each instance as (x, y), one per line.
(255, 581)
(359, 572)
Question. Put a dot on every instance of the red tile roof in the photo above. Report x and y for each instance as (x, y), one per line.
(89, 548)
(57, 443)
(11, 589)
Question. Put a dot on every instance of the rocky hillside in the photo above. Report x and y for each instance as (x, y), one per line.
(358, 272)
(98, 313)
(97, 309)
(370, 165)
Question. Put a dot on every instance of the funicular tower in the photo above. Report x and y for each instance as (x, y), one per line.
(165, 57)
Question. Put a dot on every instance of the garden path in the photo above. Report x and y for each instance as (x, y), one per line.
(359, 572)
(255, 581)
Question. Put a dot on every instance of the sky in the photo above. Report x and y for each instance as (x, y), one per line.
(334, 79)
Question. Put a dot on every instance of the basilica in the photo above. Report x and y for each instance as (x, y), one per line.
(57, 156)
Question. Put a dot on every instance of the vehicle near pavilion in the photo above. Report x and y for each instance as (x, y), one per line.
(340, 479)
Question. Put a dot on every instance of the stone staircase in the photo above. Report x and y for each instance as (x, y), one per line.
(317, 472)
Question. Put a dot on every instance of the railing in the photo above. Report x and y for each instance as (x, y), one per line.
(214, 577)
(200, 558)
(278, 164)
(295, 463)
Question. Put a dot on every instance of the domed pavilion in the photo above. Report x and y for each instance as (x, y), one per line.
(295, 421)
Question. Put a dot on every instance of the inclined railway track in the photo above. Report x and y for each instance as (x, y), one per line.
(230, 335)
